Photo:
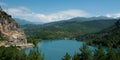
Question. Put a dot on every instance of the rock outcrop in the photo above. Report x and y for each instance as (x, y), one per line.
(11, 30)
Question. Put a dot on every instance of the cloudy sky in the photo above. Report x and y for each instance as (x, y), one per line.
(56, 10)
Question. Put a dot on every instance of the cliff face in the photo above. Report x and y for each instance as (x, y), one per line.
(11, 30)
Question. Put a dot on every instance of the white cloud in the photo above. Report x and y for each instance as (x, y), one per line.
(3, 4)
(116, 15)
(60, 15)
(26, 13)
(21, 11)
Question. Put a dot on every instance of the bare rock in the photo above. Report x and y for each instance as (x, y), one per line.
(11, 30)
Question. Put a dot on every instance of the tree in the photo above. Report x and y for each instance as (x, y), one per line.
(35, 55)
(76, 57)
(12, 53)
(85, 53)
(118, 53)
(111, 55)
(99, 53)
(67, 57)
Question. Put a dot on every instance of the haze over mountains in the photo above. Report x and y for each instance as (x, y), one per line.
(22, 21)
(77, 19)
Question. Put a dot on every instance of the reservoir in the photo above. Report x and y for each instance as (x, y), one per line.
(56, 49)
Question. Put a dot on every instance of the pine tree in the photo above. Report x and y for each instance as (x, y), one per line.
(99, 53)
(85, 53)
(111, 55)
(67, 57)
(118, 53)
(35, 55)
(76, 57)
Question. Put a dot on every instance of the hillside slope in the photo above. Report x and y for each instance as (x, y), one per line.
(108, 35)
(66, 29)
(22, 21)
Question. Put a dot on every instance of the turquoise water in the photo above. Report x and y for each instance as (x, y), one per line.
(56, 49)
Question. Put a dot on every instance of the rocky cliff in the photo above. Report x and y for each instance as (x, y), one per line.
(11, 30)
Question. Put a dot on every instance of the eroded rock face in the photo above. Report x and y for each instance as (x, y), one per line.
(11, 30)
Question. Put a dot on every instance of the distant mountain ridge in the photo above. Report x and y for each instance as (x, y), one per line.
(75, 19)
(22, 21)
(80, 19)
(67, 29)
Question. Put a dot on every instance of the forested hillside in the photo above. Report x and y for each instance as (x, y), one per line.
(66, 29)
(108, 35)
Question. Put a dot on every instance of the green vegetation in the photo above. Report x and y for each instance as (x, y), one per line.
(12, 53)
(35, 55)
(97, 54)
(85, 53)
(109, 35)
(4, 14)
(32, 40)
(66, 29)
(66, 57)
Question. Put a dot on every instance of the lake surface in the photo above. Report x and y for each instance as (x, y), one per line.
(56, 49)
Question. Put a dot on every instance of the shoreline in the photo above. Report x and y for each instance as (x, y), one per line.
(3, 43)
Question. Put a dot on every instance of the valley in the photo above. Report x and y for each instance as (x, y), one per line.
(59, 30)
(68, 29)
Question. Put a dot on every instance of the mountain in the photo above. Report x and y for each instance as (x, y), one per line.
(67, 29)
(22, 21)
(107, 36)
(77, 19)
(10, 30)
(80, 19)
